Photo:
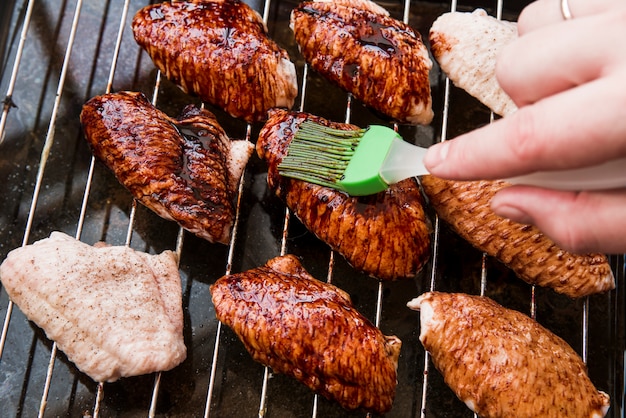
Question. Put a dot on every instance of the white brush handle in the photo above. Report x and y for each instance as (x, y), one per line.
(403, 160)
(610, 175)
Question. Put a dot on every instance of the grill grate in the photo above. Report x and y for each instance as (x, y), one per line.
(60, 53)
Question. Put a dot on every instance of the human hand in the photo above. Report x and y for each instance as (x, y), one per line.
(568, 79)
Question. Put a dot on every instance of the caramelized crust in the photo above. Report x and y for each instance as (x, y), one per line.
(185, 169)
(384, 235)
(531, 255)
(218, 50)
(378, 59)
(309, 330)
(502, 363)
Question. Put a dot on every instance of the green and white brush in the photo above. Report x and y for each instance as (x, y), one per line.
(367, 161)
(357, 162)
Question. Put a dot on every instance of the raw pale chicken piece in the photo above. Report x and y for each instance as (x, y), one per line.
(113, 311)
(502, 363)
(218, 50)
(523, 248)
(309, 330)
(378, 59)
(386, 235)
(466, 46)
(186, 169)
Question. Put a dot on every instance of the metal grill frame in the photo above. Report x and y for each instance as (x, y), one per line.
(423, 406)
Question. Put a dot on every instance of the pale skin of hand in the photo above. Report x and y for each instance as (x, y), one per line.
(569, 80)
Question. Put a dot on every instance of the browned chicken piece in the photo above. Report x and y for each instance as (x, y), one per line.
(501, 363)
(378, 59)
(309, 330)
(186, 169)
(115, 312)
(531, 255)
(385, 235)
(360, 4)
(466, 46)
(218, 50)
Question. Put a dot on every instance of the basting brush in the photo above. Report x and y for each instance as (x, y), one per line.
(361, 162)
(358, 162)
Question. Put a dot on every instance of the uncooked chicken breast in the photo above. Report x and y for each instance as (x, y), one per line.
(186, 169)
(309, 330)
(385, 235)
(466, 46)
(113, 311)
(502, 363)
(218, 50)
(378, 59)
(531, 255)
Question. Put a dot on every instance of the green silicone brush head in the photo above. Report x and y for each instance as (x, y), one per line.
(345, 160)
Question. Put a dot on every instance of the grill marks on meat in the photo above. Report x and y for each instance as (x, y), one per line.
(384, 235)
(502, 363)
(378, 59)
(309, 330)
(184, 169)
(113, 311)
(466, 46)
(531, 255)
(218, 50)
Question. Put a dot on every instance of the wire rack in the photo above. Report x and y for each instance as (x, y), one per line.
(59, 54)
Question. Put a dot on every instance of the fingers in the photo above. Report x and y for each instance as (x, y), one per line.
(577, 222)
(580, 127)
(557, 57)
(547, 12)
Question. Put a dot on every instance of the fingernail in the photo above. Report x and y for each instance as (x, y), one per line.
(513, 213)
(436, 155)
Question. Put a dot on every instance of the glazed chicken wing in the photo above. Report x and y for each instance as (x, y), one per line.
(115, 312)
(502, 363)
(378, 59)
(385, 235)
(185, 169)
(218, 50)
(309, 330)
(531, 255)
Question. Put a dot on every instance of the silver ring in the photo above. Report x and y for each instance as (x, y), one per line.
(565, 10)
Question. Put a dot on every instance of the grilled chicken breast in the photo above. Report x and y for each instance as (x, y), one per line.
(309, 330)
(360, 4)
(466, 46)
(378, 59)
(531, 255)
(113, 311)
(218, 50)
(384, 235)
(502, 363)
(184, 169)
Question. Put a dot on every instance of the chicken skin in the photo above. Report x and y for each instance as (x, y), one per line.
(186, 169)
(385, 235)
(378, 59)
(115, 312)
(502, 363)
(219, 51)
(309, 330)
(523, 248)
(466, 46)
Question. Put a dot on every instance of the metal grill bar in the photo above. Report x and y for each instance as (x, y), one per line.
(44, 157)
